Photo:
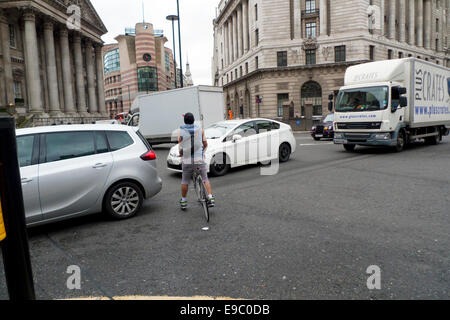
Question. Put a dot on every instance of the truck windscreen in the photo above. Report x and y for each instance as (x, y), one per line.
(363, 99)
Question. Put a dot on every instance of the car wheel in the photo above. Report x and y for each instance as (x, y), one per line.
(350, 147)
(123, 201)
(219, 167)
(285, 152)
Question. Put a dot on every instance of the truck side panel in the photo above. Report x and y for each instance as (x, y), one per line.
(431, 98)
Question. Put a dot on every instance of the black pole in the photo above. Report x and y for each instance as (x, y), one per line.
(174, 52)
(179, 44)
(16, 254)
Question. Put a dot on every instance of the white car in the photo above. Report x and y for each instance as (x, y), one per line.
(235, 143)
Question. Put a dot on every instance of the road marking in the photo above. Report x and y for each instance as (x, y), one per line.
(316, 144)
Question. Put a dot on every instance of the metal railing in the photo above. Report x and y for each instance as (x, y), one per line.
(310, 13)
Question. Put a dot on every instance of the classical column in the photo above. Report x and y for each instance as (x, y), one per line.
(245, 25)
(382, 24)
(419, 23)
(79, 75)
(402, 20)
(34, 85)
(52, 75)
(392, 15)
(100, 81)
(323, 17)
(411, 22)
(69, 102)
(225, 42)
(230, 38)
(442, 26)
(93, 107)
(240, 36)
(7, 67)
(427, 23)
(235, 36)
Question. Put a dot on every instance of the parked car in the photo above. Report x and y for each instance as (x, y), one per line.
(324, 129)
(228, 142)
(76, 170)
(123, 117)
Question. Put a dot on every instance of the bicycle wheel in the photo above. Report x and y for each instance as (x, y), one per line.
(204, 198)
(197, 187)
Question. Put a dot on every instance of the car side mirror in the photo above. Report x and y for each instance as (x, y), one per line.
(330, 106)
(237, 137)
(403, 102)
(402, 90)
(331, 97)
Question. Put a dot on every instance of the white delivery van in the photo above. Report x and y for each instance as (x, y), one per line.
(392, 103)
(159, 114)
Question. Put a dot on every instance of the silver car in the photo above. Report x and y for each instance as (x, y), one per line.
(76, 170)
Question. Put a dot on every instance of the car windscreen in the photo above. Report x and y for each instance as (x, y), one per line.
(329, 118)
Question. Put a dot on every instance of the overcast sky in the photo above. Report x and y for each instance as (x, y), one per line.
(196, 27)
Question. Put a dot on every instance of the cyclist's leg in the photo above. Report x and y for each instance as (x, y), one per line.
(204, 173)
(186, 177)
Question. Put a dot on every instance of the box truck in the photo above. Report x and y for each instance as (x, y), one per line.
(160, 114)
(392, 103)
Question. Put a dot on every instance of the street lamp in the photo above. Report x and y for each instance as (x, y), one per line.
(179, 44)
(174, 18)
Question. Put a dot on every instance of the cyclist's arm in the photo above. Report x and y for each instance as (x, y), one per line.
(205, 142)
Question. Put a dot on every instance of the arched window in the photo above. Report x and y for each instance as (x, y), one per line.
(311, 94)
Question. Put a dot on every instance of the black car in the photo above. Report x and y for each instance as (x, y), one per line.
(325, 129)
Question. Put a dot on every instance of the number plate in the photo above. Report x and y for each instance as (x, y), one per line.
(319, 135)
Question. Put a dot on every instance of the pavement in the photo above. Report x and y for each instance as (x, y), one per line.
(309, 232)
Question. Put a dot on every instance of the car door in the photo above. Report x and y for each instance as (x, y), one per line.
(74, 169)
(28, 152)
(243, 151)
(268, 140)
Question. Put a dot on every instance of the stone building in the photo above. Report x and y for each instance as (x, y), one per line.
(138, 63)
(281, 59)
(51, 62)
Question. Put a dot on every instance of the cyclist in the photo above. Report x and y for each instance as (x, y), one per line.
(193, 144)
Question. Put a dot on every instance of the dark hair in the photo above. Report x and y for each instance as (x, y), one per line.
(189, 118)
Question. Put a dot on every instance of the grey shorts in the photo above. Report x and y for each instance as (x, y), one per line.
(188, 169)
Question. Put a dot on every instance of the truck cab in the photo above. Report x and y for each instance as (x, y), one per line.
(377, 106)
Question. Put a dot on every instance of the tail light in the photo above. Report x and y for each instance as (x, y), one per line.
(149, 155)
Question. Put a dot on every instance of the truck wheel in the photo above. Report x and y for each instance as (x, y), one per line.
(350, 147)
(219, 168)
(401, 141)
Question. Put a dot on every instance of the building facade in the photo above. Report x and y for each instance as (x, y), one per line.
(51, 64)
(138, 63)
(281, 59)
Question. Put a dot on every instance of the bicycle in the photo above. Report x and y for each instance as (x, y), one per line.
(200, 190)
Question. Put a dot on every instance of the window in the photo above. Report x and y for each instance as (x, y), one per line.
(311, 29)
(256, 63)
(275, 126)
(317, 110)
(257, 36)
(390, 54)
(167, 61)
(310, 57)
(264, 126)
(69, 145)
(256, 12)
(25, 150)
(282, 59)
(372, 53)
(310, 6)
(12, 36)
(282, 98)
(118, 140)
(147, 79)
(101, 145)
(112, 61)
(400, 55)
(339, 53)
(17, 90)
(246, 130)
(246, 67)
(240, 71)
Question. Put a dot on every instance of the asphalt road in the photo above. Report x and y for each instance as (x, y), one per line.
(309, 232)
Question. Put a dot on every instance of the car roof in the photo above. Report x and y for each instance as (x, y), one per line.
(74, 127)
(241, 121)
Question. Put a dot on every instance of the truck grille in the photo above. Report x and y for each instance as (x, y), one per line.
(357, 137)
(359, 125)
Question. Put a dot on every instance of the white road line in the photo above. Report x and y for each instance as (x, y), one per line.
(315, 144)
